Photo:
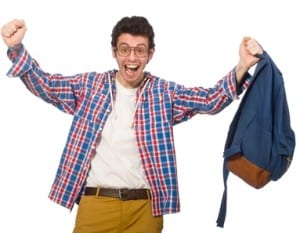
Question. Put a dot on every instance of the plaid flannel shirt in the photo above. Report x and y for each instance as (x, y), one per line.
(86, 97)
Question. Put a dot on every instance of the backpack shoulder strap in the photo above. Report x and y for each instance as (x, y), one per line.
(223, 208)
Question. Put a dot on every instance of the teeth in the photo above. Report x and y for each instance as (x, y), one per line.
(132, 66)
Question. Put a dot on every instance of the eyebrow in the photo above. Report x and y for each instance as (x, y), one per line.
(141, 44)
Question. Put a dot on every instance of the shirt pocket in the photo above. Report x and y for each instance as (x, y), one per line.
(94, 107)
(158, 110)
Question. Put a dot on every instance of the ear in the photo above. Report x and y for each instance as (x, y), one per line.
(114, 52)
(150, 55)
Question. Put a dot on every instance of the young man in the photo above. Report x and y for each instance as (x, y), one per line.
(119, 160)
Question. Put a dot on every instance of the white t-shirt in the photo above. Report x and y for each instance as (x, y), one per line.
(117, 162)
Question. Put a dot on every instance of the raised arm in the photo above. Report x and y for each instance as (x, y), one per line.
(59, 90)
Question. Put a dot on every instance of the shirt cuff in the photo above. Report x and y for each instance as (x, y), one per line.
(230, 85)
(21, 61)
(246, 81)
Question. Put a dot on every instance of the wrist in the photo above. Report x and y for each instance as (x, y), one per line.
(240, 70)
(15, 47)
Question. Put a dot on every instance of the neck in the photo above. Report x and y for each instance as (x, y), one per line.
(130, 85)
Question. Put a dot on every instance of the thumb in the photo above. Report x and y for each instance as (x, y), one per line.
(20, 23)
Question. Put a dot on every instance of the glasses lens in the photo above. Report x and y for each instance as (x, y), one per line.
(124, 50)
(140, 51)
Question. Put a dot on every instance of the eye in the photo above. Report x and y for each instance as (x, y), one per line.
(140, 51)
(125, 50)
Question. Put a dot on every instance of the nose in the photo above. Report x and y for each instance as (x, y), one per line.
(132, 55)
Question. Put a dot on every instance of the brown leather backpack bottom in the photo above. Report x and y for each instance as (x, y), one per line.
(247, 171)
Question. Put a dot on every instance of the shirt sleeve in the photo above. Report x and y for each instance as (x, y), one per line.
(61, 91)
(247, 80)
(189, 101)
(20, 59)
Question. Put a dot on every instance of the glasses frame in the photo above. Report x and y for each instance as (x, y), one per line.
(132, 48)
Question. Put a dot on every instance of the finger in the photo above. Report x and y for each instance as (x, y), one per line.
(250, 42)
(19, 23)
(5, 31)
(245, 40)
(254, 48)
(251, 49)
(10, 28)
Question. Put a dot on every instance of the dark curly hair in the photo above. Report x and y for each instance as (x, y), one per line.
(135, 25)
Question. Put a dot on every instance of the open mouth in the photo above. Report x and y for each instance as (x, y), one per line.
(131, 68)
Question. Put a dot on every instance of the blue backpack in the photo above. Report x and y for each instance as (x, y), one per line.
(260, 142)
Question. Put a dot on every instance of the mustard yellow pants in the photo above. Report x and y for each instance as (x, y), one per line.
(110, 215)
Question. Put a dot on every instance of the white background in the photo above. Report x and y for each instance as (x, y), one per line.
(196, 44)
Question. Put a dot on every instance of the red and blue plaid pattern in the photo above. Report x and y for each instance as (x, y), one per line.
(86, 96)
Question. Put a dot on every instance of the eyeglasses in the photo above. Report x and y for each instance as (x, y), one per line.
(124, 50)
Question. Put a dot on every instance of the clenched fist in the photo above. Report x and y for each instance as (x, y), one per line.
(13, 32)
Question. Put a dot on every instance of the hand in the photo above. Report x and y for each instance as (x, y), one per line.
(249, 48)
(13, 32)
